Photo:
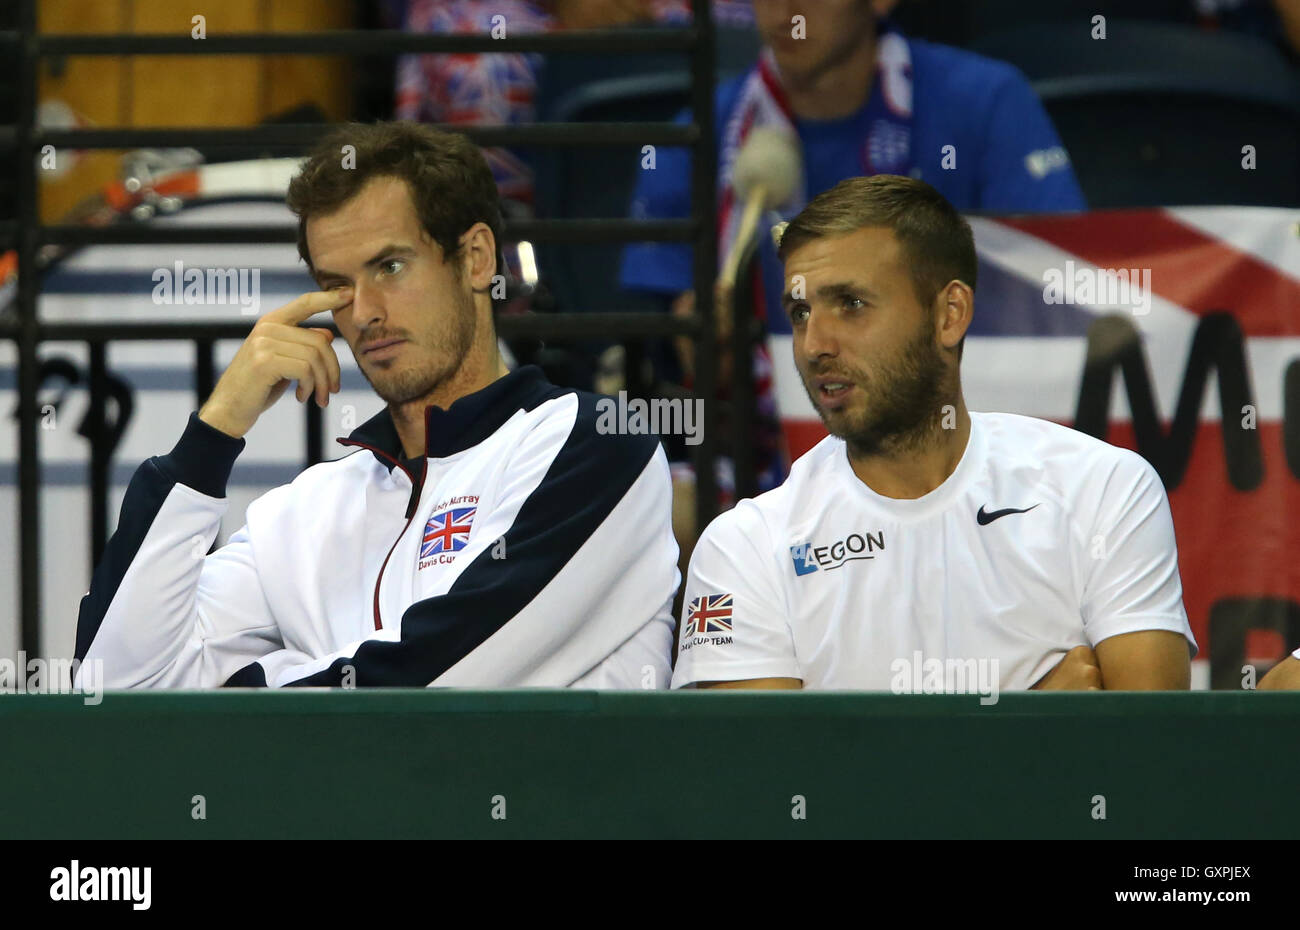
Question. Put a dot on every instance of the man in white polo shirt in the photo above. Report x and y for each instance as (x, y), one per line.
(917, 536)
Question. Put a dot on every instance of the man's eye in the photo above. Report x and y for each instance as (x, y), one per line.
(854, 303)
(798, 314)
(391, 262)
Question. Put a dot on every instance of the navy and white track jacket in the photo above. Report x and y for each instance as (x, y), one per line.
(530, 550)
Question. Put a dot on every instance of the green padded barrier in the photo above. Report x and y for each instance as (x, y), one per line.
(417, 763)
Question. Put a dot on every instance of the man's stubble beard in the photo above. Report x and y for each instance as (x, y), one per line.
(904, 401)
(415, 382)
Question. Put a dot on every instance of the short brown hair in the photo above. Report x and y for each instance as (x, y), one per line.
(936, 240)
(450, 182)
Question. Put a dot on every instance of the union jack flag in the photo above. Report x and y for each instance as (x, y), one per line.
(447, 531)
(710, 613)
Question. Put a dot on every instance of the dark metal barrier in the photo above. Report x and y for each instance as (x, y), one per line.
(27, 235)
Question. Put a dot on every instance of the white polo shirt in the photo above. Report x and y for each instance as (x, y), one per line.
(1042, 539)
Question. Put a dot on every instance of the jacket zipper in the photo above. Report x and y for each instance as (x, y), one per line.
(411, 505)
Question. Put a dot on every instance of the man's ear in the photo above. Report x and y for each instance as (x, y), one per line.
(479, 256)
(956, 306)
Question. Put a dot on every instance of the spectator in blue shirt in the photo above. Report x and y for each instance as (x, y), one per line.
(861, 99)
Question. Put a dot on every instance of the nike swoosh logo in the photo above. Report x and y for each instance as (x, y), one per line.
(984, 519)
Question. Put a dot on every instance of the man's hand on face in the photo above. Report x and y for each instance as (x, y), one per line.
(1078, 671)
(276, 352)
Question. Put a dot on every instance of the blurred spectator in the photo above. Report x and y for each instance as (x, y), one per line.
(501, 89)
(496, 89)
(732, 14)
(862, 99)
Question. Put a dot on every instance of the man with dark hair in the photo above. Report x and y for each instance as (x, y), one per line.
(485, 533)
(920, 543)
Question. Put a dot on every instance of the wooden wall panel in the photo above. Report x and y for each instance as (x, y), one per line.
(295, 79)
(93, 87)
(198, 91)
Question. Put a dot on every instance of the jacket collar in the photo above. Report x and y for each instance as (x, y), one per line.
(467, 422)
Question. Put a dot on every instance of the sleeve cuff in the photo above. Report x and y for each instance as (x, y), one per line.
(250, 676)
(772, 668)
(1142, 623)
(202, 458)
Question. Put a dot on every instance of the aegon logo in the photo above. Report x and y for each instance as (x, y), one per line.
(809, 558)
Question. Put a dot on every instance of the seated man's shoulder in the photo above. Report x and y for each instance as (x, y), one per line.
(1062, 449)
(816, 463)
(763, 519)
(318, 482)
(735, 536)
(613, 428)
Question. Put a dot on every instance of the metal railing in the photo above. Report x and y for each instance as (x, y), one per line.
(28, 331)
